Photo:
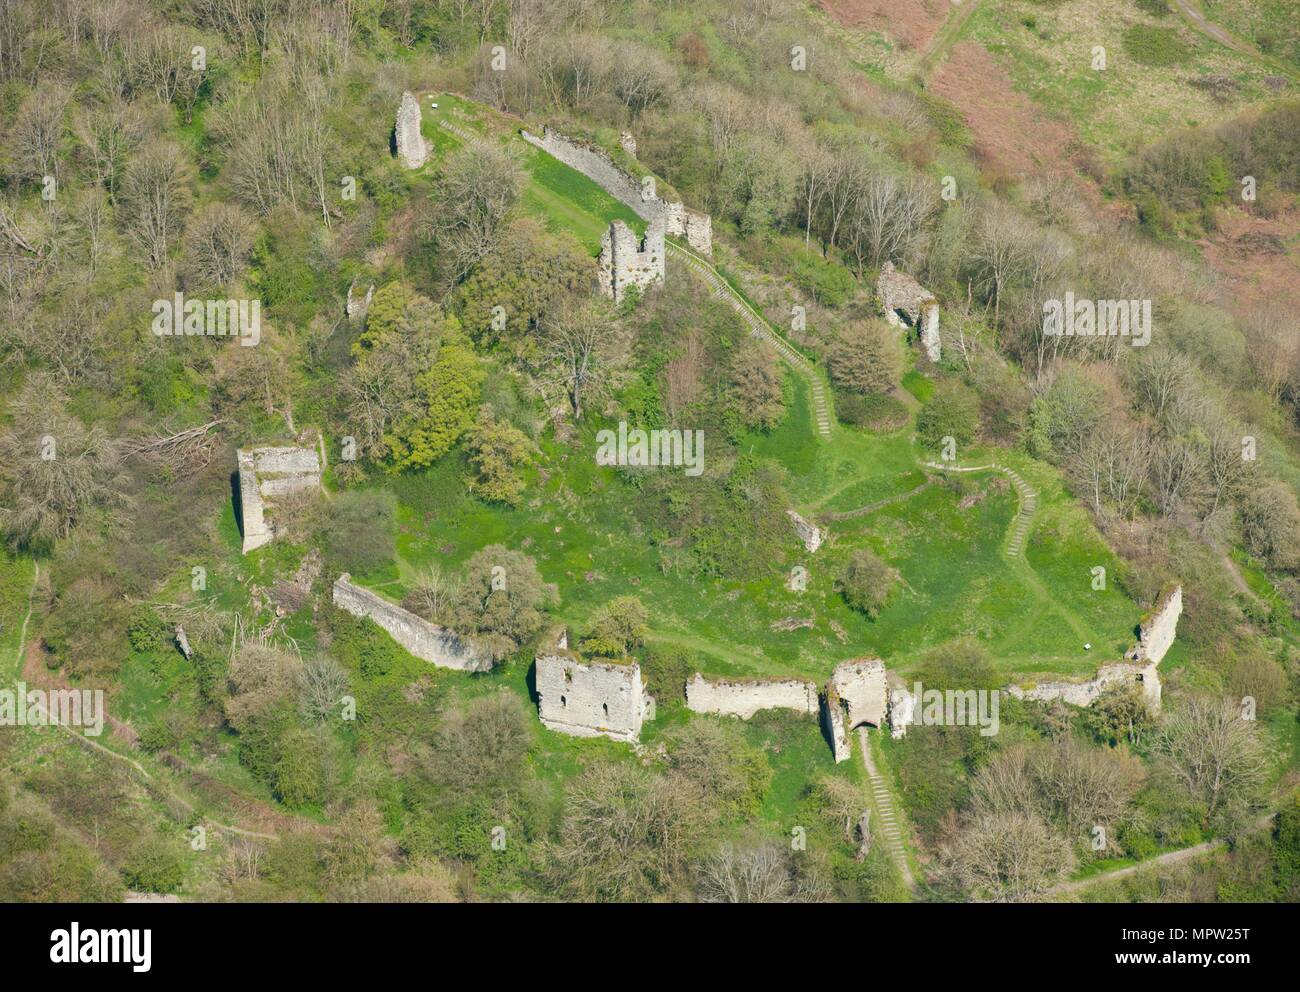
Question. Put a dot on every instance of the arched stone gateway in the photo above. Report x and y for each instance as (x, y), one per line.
(857, 695)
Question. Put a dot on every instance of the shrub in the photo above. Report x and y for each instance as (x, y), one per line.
(867, 583)
(876, 411)
(154, 865)
(866, 357)
(953, 411)
(1152, 46)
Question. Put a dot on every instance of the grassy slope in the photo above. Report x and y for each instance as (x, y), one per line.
(1126, 105)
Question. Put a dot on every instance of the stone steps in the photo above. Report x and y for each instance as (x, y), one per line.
(458, 131)
(886, 815)
(1018, 532)
(760, 328)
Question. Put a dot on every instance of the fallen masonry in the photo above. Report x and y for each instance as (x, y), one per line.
(265, 476)
(602, 698)
(811, 535)
(425, 640)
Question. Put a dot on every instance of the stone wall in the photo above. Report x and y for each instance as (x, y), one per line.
(596, 165)
(412, 148)
(1158, 630)
(266, 474)
(1086, 693)
(745, 697)
(357, 305)
(423, 639)
(599, 168)
(589, 699)
(625, 261)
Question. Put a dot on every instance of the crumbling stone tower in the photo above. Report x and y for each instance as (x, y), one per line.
(412, 148)
(904, 297)
(624, 261)
(604, 698)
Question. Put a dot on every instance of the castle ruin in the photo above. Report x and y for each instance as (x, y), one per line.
(410, 144)
(425, 640)
(589, 699)
(1158, 629)
(265, 475)
(626, 261)
(357, 305)
(908, 303)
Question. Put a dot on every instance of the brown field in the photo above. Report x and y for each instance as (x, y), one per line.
(1011, 133)
(908, 23)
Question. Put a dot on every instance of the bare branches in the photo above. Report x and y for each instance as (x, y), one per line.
(188, 450)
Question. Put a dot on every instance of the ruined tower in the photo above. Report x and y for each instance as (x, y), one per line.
(412, 148)
(624, 261)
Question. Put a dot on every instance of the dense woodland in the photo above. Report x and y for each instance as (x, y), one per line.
(206, 147)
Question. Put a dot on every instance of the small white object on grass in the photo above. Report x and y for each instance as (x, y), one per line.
(1087, 647)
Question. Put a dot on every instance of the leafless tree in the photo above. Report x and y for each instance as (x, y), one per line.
(109, 134)
(218, 243)
(1111, 468)
(433, 594)
(38, 131)
(889, 219)
(156, 194)
(1000, 249)
(53, 468)
(322, 684)
(1273, 346)
(763, 872)
(579, 353)
(477, 188)
(1217, 754)
(1006, 857)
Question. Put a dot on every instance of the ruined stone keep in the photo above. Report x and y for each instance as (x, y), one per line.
(857, 693)
(590, 699)
(904, 299)
(268, 474)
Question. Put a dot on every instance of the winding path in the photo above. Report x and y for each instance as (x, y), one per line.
(1024, 518)
(1172, 857)
(22, 634)
(945, 37)
(762, 328)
